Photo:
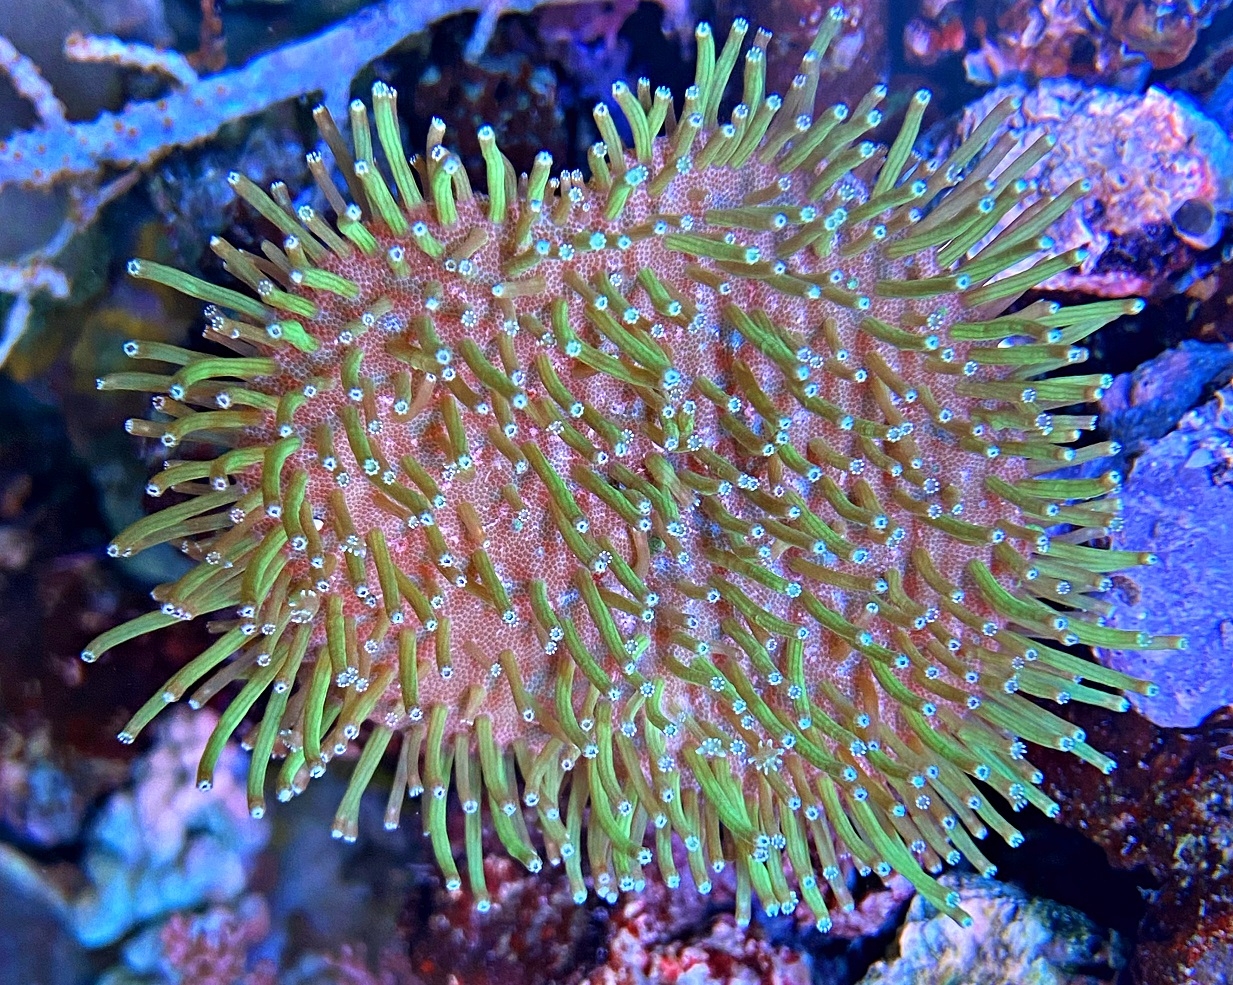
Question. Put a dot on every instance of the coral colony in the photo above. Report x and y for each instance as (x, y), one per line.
(711, 498)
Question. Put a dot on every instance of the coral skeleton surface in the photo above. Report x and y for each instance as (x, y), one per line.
(707, 498)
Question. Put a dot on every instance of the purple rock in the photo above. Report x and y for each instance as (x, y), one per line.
(1179, 504)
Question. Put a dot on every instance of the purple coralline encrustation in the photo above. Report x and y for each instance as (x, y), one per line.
(1179, 503)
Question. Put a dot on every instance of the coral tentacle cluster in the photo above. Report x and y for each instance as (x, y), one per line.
(710, 498)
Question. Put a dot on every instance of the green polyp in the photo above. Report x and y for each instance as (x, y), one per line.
(1069, 489)
(143, 716)
(231, 717)
(1041, 801)
(326, 280)
(806, 146)
(1021, 717)
(894, 687)
(638, 349)
(1092, 634)
(473, 839)
(351, 226)
(314, 707)
(755, 133)
(1005, 830)
(657, 115)
(893, 335)
(995, 329)
(1106, 764)
(839, 820)
(291, 303)
(664, 859)
(1010, 606)
(700, 245)
(488, 374)
(989, 265)
(926, 287)
(638, 124)
(426, 241)
(175, 474)
(436, 786)
(796, 843)
(276, 456)
(275, 214)
(761, 332)
(507, 818)
(1015, 284)
(194, 287)
(717, 81)
(455, 430)
(838, 168)
(441, 648)
(385, 114)
(973, 227)
(603, 758)
(210, 420)
(494, 162)
(239, 367)
(440, 185)
(564, 721)
(490, 580)
(897, 855)
(198, 581)
(264, 566)
(202, 664)
(263, 749)
(619, 193)
(609, 823)
(1097, 560)
(380, 199)
(438, 833)
(140, 382)
(557, 489)
(162, 526)
(722, 792)
(679, 146)
(963, 841)
(573, 826)
(1033, 222)
(899, 152)
(292, 501)
(762, 883)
